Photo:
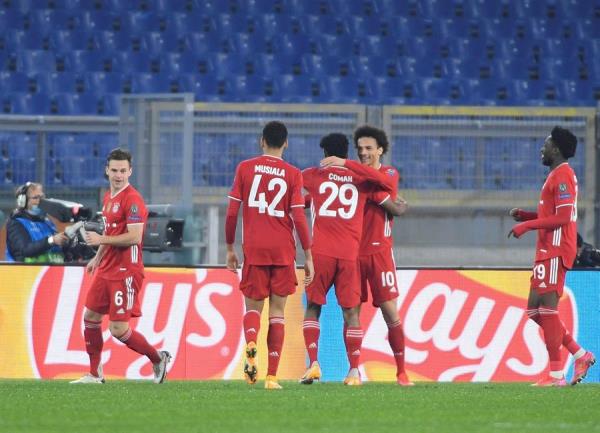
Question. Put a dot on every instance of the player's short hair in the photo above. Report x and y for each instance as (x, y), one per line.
(565, 140)
(335, 144)
(275, 134)
(119, 154)
(370, 131)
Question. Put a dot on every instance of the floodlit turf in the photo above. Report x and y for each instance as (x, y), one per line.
(131, 406)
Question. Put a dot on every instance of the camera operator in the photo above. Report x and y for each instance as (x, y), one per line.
(31, 236)
(587, 255)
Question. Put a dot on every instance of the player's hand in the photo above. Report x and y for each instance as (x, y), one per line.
(333, 160)
(92, 265)
(514, 213)
(518, 230)
(93, 239)
(402, 204)
(232, 261)
(309, 271)
(59, 238)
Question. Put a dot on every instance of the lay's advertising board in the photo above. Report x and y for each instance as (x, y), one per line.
(460, 325)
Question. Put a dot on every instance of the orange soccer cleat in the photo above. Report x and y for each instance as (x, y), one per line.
(271, 383)
(551, 381)
(582, 365)
(403, 380)
(250, 364)
(353, 378)
(312, 373)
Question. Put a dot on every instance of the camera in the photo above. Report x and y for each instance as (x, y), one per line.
(588, 257)
(84, 220)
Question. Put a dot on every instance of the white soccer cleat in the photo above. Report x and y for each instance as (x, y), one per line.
(90, 378)
(160, 368)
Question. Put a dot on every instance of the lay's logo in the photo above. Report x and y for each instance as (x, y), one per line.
(463, 326)
(194, 314)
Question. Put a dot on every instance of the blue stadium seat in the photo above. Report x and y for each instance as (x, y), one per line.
(348, 89)
(297, 89)
(101, 83)
(376, 45)
(407, 9)
(140, 23)
(23, 103)
(63, 41)
(33, 61)
(392, 91)
(14, 82)
(59, 82)
(325, 24)
(150, 83)
(110, 41)
(130, 62)
(197, 43)
(72, 104)
(86, 61)
(311, 7)
(367, 25)
(159, 43)
(65, 145)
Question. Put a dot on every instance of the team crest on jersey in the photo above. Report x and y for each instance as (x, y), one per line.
(562, 187)
(116, 207)
(390, 171)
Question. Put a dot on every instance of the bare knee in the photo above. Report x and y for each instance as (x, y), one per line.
(352, 316)
(117, 329)
(91, 316)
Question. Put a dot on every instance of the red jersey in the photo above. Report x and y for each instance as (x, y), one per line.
(338, 197)
(377, 224)
(126, 207)
(560, 189)
(269, 188)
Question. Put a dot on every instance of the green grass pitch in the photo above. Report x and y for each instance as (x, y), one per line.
(232, 406)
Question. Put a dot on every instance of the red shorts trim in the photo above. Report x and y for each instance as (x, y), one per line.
(117, 298)
(259, 282)
(548, 276)
(343, 274)
(378, 273)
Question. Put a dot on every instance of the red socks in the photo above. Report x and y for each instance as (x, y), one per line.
(275, 343)
(92, 333)
(553, 335)
(396, 340)
(311, 330)
(137, 342)
(353, 337)
(571, 345)
(251, 325)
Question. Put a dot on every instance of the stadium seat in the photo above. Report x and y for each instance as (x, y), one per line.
(348, 89)
(103, 82)
(86, 61)
(34, 61)
(297, 89)
(14, 82)
(150, 83)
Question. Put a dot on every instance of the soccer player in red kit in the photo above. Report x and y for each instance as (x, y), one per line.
(118, 272)
(270, 191)
(556, 248)
(376, 257)
(338, 190)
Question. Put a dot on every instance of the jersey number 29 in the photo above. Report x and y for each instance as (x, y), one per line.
(341, 193)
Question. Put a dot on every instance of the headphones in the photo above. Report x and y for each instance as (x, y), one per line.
(22, 195)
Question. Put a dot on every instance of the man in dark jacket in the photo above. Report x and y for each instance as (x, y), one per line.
(30, 236)
(587, 255)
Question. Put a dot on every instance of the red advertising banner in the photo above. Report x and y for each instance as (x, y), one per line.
(459, 326)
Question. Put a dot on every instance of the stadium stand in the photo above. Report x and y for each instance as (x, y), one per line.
(83, 54)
